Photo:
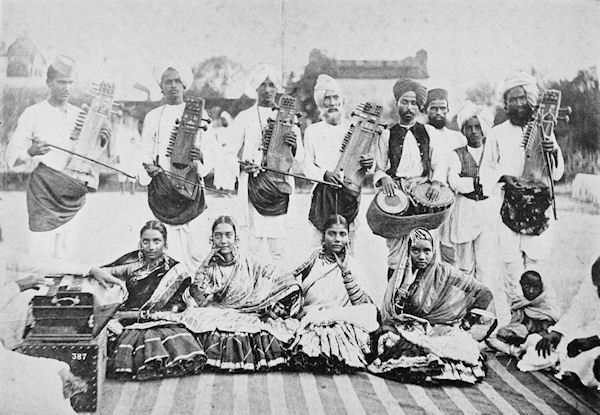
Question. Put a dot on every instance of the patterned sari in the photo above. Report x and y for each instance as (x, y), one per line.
(422, 314)
(333, 336)
(152, 349)
(241, 314)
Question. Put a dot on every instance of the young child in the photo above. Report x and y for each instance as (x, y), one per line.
(533, 313)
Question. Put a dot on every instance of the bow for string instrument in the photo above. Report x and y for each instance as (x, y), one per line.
(86, 131)
(277, 154)
(359, 140)
(184, 173)
(539, 164)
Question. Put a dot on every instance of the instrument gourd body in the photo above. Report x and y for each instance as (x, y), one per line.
(88, 125)
(359, 140)
(277, 153)
(181, 143)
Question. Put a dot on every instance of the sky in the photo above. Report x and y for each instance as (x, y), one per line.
(468, 42)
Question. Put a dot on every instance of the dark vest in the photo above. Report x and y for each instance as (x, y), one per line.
(467, 162)
(397, 134)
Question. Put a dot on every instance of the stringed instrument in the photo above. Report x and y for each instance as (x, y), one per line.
(184, 174)
(86, 131)
(277, 155)
(359, 140)
(538, 164)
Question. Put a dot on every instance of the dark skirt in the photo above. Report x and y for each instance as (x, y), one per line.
(239, 351)
(161, 351)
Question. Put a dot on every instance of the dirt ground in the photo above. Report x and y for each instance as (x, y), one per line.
(110, 223)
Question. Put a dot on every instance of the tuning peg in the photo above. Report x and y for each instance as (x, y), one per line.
(383, 125)
(204, 127)
(206, 120)
(564, 118)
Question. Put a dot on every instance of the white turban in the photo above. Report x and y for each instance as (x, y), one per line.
(259, 73)
(484, 114)
(524, 80)
(184, 70)
(326, 85)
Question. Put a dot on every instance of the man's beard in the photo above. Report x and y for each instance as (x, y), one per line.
(438, 123)
(407, 117)
(520, 116)
(332, 116)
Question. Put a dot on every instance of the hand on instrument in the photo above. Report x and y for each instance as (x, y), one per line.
(105, 278)
(512, 181)
(331, 177)
(196, 154)
(548, 343)
(32, 281)
(548, 146)
(581, 345)
(250, 167)
(38, 147)
(433, 193)
(105, 134)
(291, 140)
(366, 161)
(389, 186)
(152, 169)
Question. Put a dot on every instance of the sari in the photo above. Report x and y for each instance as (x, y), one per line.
(152, 349)
(241, 313)
(335, 327)
(422, 316)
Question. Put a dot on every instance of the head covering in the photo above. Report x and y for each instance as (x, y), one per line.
(435, 95)
(524, 80)
(62, 66)
(259, 73)
(484, 114)
(403, 86)
(326, 85)
(183, 69)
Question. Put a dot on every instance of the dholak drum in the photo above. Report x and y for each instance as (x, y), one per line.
(424, 205)
(394, 205)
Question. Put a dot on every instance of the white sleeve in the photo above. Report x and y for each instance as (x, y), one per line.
(381, 156)
(16, 155)
(149, 132)
(311, 170)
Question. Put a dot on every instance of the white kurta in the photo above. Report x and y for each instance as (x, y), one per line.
(54, 126)
(246, 138)
(185, 242)
(128, 146)
(519, 251)
(581, 320)
(226, 167)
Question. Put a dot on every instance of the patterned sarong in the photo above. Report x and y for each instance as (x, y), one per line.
(53, 198)
(327, 201)
(170, 206)
(266, 198)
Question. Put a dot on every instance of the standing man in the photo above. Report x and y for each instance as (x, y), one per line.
(446, 141)
(323, 143)
(472, 175)
(263, 214)
(520, 251)
(181, 215)
(55, 192)
(405, 156)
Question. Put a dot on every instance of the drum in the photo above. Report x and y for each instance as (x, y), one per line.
(394, 205)
(524, 208)
(424, 205)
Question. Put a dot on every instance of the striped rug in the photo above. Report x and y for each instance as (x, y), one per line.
(505, 391)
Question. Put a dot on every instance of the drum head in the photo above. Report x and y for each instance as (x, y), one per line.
(393, 205)
(445, 198)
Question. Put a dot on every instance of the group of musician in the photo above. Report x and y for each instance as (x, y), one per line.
(229, 311)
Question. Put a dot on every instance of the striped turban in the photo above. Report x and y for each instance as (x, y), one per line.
(524, 80)
(403, 86)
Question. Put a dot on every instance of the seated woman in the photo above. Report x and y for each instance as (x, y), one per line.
(337, 315)
(238, 308)
(145, 349)
(423, 311)
(531, 316)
